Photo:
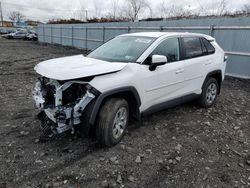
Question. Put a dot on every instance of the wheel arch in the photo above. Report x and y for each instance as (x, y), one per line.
(217, 74)
(129, 93)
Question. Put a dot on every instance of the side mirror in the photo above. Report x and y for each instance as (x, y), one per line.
(157, 60)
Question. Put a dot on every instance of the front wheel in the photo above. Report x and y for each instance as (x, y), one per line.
(209, 93)
(112, 121)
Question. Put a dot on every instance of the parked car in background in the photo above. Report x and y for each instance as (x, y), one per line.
(6, 35)
(31, 35)
(21, 34)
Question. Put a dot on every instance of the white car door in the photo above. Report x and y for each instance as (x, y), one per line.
(166, 81)
(194, 69)
(196, 62)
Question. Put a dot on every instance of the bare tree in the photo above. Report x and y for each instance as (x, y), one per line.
(163, 9)
(222, 7)
(150, 9)
(115, 7)
(82, 12)
(178, 11)
(97, 6)
(201, 10)
(135, 7)
(169, 11)
(246, 8)
(16, 16)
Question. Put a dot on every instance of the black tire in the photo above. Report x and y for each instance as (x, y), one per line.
(106, 128)
(204, 98)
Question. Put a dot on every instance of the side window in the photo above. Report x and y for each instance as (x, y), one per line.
(208, 45)
(168, 48)
(192, 46)
(203, 47)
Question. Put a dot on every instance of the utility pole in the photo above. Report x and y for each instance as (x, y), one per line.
(1, 14)
(86, 11)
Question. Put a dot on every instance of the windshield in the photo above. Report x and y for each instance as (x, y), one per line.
(122, 49)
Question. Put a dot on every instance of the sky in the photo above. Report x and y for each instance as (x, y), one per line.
(45, 10)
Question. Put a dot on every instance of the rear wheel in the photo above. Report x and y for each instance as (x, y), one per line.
(112, 121)
(209, 93)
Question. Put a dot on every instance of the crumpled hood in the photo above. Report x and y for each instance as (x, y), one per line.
(78, 66)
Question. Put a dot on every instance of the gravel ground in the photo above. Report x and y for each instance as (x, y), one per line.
(181, 147)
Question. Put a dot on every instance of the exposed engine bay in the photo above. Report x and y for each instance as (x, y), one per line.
(63, 102)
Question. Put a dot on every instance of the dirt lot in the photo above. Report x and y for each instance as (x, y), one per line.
(181, 147)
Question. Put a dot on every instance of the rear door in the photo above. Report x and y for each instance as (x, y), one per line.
(195, 64)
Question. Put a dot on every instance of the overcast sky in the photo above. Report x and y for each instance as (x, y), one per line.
(44, 10)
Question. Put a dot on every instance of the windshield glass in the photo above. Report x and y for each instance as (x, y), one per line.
(122, 49)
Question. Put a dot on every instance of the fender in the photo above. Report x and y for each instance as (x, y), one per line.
(103, 96)
(209, 75)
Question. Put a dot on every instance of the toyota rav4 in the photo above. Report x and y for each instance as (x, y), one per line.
(128, 77)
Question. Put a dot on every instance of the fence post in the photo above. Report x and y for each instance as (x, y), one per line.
(129, 29)
(86, 38)
(212, 30)
(43, 34)
(51, 34)
(61, 35)
(103, 35)
(161, 28)
(72, 35)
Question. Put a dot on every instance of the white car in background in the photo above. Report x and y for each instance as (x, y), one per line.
(21, 34)
(31, 35)
(128, 77)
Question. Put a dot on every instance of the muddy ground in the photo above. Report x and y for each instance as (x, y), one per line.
(181, 147)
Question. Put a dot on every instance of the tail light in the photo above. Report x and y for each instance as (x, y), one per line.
(225, 57)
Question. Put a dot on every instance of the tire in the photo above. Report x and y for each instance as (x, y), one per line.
(209, 93)
(109, 133)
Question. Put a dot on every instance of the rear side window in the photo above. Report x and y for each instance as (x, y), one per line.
(192, 46)
(209, 47)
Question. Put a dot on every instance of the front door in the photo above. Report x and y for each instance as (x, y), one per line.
(166, 81)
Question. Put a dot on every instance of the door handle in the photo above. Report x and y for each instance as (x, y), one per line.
(179, 71)
(208, 63)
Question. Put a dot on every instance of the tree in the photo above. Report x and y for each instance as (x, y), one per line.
(217, 8)
(115, 6)
(135, 7)
(246, 8)
(98, 6)
(163, 9)
(16, 16)
(222, 7)
(168, 10)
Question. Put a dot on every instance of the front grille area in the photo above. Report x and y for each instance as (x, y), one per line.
(48, 92)
(73, 93)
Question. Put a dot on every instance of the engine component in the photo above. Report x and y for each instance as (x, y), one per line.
(63, 115)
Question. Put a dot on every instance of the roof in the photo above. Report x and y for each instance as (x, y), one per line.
(149, 34)
(167, 34)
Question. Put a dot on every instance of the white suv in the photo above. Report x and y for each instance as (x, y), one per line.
(128, 77)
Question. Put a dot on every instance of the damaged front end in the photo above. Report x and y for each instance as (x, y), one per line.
(62, 102)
